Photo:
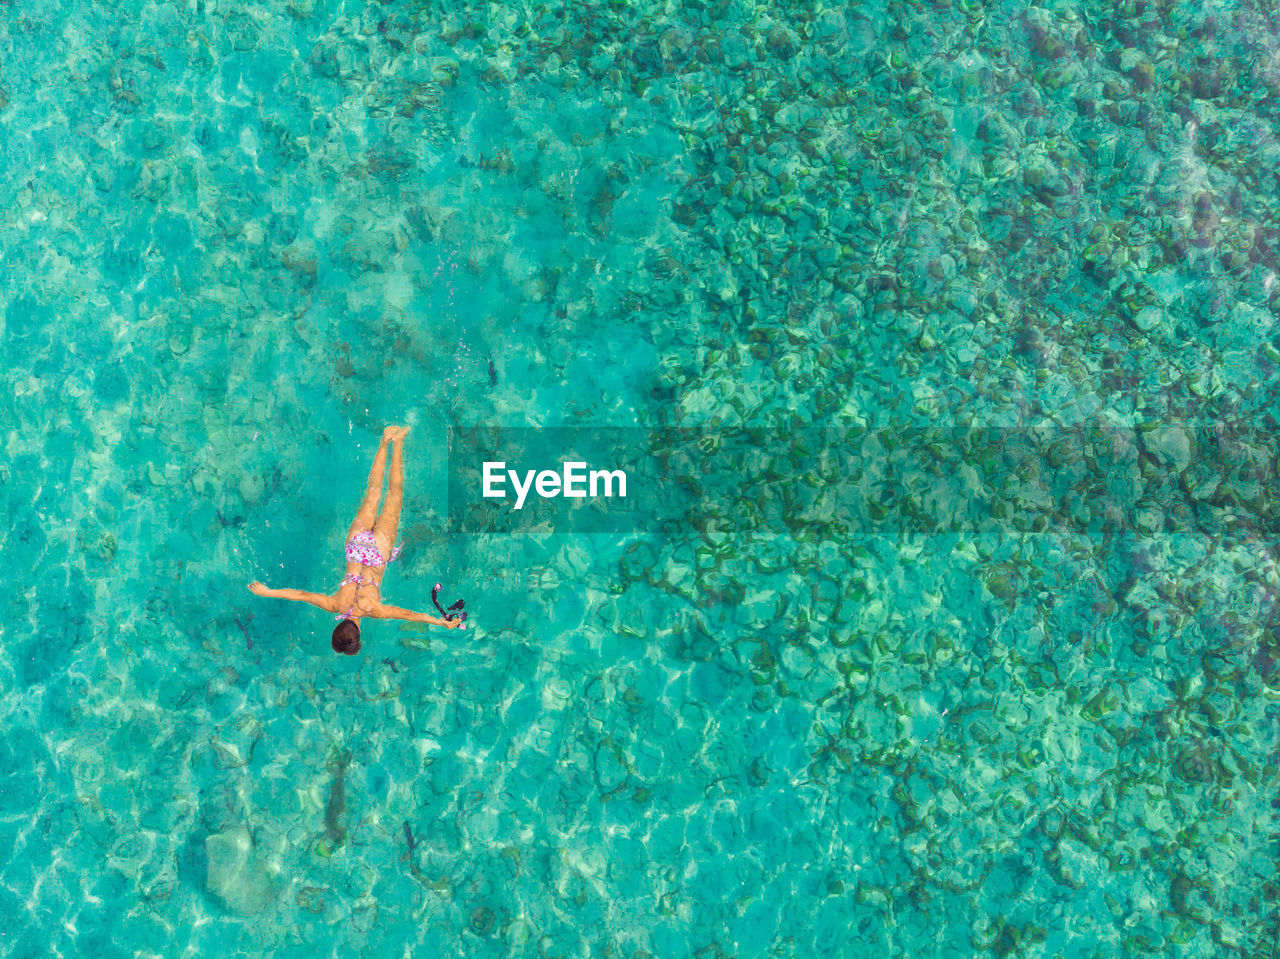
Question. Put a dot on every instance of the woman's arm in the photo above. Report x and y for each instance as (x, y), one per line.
(395, 612)
(297, 595)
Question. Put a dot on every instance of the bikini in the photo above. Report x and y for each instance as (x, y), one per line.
(363, 549)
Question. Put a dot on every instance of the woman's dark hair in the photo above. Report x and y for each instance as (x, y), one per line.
(346, 638)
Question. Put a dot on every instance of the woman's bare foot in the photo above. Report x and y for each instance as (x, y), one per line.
(395, 432)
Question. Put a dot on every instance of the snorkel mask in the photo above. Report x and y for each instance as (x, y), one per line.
(462, 617)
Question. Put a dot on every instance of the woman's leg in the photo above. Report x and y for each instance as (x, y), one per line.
(384, 530)
(373, 490)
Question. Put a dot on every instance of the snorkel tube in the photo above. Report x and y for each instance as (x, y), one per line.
(462, 617)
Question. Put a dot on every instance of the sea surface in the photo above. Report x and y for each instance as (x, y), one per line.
(942, 335)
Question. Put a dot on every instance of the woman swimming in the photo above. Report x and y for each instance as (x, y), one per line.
(368, 551)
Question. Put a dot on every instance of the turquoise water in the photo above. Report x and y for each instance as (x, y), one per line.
(832, 714)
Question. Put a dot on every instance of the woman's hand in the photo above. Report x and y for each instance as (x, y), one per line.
(258, 589)
(451, 623)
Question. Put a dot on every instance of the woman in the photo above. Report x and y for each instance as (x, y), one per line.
(368, 551)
